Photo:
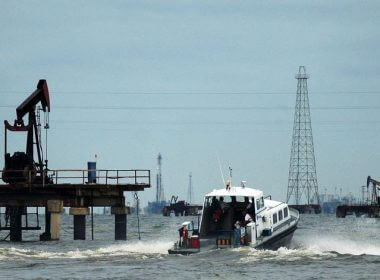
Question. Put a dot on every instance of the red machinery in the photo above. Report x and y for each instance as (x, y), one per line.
(21, 167)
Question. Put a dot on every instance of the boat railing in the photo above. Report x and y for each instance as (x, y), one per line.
(268, 196)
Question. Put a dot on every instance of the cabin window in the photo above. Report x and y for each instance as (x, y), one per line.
(280, 215)
(285, 212)
(274, 218)
(240, 199)
(227, 199)
(208, 202)
(260, 203)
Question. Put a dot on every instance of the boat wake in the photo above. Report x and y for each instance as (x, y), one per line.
(341, 245)
(285, 254)
(313, 249)
(310, 248)
(137, 249)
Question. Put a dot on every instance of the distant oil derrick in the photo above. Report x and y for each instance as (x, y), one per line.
(302, 182)
(159, 190)
(155, 207)
(190, 189)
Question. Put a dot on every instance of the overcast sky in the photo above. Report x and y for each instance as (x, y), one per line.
(114, 66)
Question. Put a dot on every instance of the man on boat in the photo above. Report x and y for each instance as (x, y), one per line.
(237, 234)
(247, 218)
(222, 204)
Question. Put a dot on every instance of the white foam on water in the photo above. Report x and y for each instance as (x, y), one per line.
(139, 249)
(315, 247)
(285, 254)
(76, 254)
(342, 245)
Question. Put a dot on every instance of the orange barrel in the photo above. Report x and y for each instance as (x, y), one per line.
(194, 241)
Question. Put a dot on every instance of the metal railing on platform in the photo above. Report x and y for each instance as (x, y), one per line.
(6, 218)
(78, 176)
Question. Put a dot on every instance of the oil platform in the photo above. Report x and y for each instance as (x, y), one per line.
(180, 207)
(29, 183)
(302, 180)
(155, 207)
(369, 207)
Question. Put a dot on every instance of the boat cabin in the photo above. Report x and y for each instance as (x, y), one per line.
(240, 216)
(223, 208)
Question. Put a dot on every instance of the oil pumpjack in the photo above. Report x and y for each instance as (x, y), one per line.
(21, 166)
(371, 208)
(30, 183)
(21, 169)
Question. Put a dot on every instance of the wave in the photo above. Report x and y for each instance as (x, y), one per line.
(314, 248)
(138, 249)
(304, 248)
(342, 245)
(285, 254)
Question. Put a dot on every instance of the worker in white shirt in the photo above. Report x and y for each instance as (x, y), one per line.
(247, 218)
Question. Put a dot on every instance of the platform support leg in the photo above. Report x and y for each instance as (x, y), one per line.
(55, 208)
(340, 212)
(79, 227)
(121, 227)
(46, 236)
(79, 214)
(15, 219)
(53, 212)
(120, 222)
(55, 226)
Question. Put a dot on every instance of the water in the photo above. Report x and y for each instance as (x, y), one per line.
(323, 247)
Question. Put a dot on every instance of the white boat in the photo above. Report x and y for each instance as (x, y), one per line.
(224, 222)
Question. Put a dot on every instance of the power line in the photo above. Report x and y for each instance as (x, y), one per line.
(205, 108)
(196, 92)
(285, 130)
(327, 123)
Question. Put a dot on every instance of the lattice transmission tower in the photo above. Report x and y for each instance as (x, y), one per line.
(302, 182)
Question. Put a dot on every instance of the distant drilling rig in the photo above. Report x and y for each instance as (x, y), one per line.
(159, 190)
(190, 189)
(156, 206)
(302, 182)
(181, 207)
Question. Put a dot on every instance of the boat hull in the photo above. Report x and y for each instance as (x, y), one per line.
(281, 240)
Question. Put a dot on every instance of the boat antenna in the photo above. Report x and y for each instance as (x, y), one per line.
(230, 169)
(221, 171)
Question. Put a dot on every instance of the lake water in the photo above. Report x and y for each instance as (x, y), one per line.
(323, 247)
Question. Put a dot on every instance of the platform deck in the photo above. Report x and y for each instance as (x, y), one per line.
(90, 194)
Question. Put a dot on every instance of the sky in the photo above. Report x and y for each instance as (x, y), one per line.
(197, 81)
